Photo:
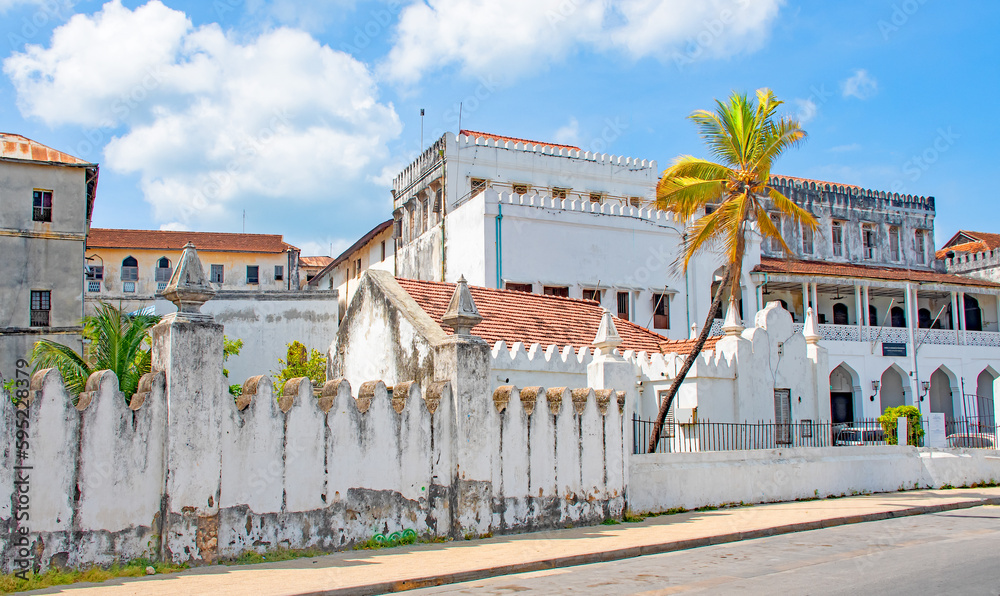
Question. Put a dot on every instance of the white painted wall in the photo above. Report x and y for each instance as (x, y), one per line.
(659, 482)
(267, 322)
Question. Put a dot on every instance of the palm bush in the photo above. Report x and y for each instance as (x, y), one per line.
(118, 341)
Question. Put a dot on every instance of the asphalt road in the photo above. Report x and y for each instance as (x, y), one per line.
(956, 552)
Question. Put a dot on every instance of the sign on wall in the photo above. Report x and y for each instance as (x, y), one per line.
(893, 349)
(935, 430)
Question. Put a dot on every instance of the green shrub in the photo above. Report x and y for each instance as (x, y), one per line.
(914, 430)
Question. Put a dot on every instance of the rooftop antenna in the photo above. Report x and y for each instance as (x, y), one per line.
(421, 129)
(459, 117)
(244, 221)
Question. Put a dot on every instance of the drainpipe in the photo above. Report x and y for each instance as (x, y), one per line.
(687, 296)
(499, 242)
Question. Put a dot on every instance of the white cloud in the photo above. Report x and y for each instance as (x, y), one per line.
(486, 37)
(806, 110)
(846, 148)
(206, 120)
(861, 85)
(569, 134)
(331, 247)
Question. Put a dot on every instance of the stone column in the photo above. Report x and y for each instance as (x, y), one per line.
(954, 318)
(961, 316)
(858, 313)
(464, 360)
(610, 371)
(187, 347)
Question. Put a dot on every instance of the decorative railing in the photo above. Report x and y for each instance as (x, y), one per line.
(936, 336)
(982, 338)
(840, 332)
(895, 335)
(716, 327)
(900, 335)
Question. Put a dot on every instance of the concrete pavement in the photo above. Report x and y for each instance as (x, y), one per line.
(390, 570)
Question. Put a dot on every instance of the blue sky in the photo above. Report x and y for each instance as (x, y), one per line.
(299, 114)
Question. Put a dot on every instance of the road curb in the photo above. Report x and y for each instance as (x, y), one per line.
(636, 551)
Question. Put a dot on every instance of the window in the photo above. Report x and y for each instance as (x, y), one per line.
(807, 240)
(41, 205)
(897, 316)
(383, 250)
(873, 316)
(670, 421)
(635, 201)
(837, 235)
(556, 291)
(596, 197)
(279, 272)
(41, 304)
(357, 267)
(130, 269)
(894, 243)
(868, 240)
(783, 416)
(520, 189)
(775, 242)
(661, 311)
(920, 247)
(623, 305)
(478, 185)
(559, 193)
(519, 287)
(840, 314)
(924, 318)
(163, 270)
(253, 274)
(95, 272)
(592, 294)
(216, 275)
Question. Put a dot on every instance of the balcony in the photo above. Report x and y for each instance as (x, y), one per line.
(898, 335)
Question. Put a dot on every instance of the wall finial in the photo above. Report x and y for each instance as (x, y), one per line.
(732, 325)
(809, 330)
(188, 288)
(607, 338)
(462, 314)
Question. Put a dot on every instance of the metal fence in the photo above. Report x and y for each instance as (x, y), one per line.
(729, 436)
(675, 437)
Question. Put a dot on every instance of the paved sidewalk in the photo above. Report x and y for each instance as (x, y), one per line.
(391, 570)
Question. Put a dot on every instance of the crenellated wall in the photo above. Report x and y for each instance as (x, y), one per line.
(185, 472)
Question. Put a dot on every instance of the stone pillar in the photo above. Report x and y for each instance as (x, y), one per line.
(858, 314)
(187, 347)
(464, 360)
(961, 316)
(611, 371)
(911, 322)
(954, 318)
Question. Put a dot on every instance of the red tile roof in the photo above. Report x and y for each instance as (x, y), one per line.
(487, 135)
(315, 261)
(684, 346)
(965, 241)
(13, 146)
(170, 240)
(823, 268)
(530, 318)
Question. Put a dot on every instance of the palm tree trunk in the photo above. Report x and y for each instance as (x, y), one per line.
(689, 361)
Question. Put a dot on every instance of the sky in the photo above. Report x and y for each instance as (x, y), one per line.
(283, 117)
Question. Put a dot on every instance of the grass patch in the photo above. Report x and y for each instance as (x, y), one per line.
(946, 487)
(57, 577)
(610, 522)
(631, 517)
(252, 557)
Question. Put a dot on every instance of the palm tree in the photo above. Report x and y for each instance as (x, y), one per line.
(116, 344)
(745, 136)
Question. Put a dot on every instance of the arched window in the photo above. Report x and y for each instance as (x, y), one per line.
(130, 269)
(163, 270)
(973, 314)
(872, 316)
(924, 318)
(783, 304)
(898, 317)
(840, 314)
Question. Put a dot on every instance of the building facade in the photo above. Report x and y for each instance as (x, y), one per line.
(375, 250)
(975, 254)
(46, 202)
(130, 267)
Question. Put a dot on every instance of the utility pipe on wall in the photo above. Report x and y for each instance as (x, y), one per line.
(499, 241)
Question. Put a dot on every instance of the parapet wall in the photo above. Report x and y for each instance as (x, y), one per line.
(798, 189)
(324, 468)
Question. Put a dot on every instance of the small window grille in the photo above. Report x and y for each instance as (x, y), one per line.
(93, 286)
(478, 185)
(559, 193)
(128, 287)
(520, 189)
(623, 305)
(41, 304)
(596, 197)
(635, 201)
(160, 286)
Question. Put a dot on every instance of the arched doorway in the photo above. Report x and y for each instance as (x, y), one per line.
(898, 317)
(940, 394)
(891, 393)
(984, 397)
(840, 314)
(973, 314)
(842, 395)
(873, 316)
(924, 318)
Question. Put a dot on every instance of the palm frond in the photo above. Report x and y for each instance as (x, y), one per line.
(74, 370)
